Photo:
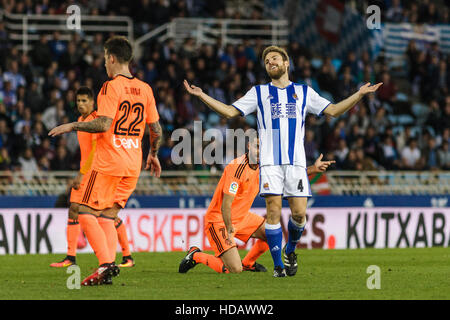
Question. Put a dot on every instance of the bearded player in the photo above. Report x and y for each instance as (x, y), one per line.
(228, 217)
(281, 108)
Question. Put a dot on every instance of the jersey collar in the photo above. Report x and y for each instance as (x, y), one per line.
(290, 84)
(132, 77)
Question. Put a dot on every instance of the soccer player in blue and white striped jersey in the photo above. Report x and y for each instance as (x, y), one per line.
(281, 108)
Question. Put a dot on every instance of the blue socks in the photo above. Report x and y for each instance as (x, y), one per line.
(274, 235)
(295, 232)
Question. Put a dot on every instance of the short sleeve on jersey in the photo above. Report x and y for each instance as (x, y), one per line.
(152, 112)
(315, 103)
(107, 101)
(248, 103)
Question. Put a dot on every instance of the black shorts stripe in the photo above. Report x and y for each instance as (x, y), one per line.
(216, 238)
(87, 187)
(119, 224)
(91, 186)
(72, 223)
(91, 177)
(87, 193)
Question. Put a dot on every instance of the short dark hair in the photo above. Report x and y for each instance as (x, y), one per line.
(120, 47)
(85, 90)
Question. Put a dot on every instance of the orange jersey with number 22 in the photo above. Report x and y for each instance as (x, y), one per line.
(131, 104)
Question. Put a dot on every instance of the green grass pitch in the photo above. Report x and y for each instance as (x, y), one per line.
(323, 274)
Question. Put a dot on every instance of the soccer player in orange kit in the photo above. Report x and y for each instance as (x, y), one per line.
(87, 142)
(228, 216)
(125, 104)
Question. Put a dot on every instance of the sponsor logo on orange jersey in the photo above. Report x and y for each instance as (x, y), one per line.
(233, 187)
(126, 143)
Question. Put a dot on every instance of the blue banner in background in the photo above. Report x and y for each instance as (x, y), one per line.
(368, 201)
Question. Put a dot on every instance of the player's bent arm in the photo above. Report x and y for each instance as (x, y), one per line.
(226, 210)
(221, 108)
(155, 137)
(100, 124)
(335, 110)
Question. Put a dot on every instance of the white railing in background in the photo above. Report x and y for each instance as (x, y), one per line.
(25, 29)
(389, 182)
(205, 182)
(227, 31)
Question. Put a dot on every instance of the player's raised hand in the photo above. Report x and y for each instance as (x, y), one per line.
(367, 88)
(154, 165)
(322, 166)
(64, 128)
(196, 91)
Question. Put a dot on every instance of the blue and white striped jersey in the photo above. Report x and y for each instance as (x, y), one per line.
(281, 117)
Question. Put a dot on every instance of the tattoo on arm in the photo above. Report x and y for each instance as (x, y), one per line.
(155, 137)
(100, 124)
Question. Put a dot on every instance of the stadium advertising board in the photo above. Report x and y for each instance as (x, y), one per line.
(44, 230)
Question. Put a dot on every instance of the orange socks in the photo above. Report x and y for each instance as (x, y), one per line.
(95, 236)
(102, 234)
(73, 232)
(123, 238)
(107, 224)
(217, 265)
(211, 261)
(255, 252)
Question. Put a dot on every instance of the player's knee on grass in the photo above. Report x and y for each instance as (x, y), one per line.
(235, 268)
(232, 260)
(73, 211)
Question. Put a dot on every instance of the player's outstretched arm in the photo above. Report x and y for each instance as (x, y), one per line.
(221, 108)
(100, 124)
(319, 165)
(335, 110)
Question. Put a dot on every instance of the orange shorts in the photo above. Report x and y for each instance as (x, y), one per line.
(100, 191)
(217, 234)
(77, 195)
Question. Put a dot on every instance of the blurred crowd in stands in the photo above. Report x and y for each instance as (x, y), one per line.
(37, 92)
